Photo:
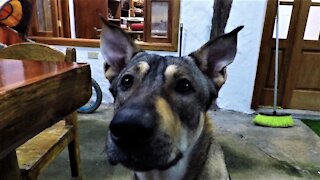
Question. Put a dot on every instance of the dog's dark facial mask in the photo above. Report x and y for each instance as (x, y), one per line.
(160, 101)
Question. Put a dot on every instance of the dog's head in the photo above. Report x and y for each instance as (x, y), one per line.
(160, 101)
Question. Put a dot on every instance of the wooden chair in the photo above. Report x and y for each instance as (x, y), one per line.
(37, 153)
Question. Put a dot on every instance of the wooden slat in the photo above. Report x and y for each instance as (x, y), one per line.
(315, 4)
(286, 3)
(296, 53)
(291, 39)
(32, 154)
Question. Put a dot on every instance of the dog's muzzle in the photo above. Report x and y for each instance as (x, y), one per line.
(136, 142)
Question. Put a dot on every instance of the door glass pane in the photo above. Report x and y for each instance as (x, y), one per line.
(44, 15)
(159, 19)
(286, 0)
(315, 1)
(313, 25)
(285, 12)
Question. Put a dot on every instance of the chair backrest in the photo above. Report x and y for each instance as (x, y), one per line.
(32, 51)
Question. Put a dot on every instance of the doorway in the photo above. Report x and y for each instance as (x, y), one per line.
(299, 56)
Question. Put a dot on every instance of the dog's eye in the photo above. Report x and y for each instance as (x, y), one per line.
(127, 81)
(184, 86)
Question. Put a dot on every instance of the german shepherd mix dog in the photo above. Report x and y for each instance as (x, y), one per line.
(161, 129)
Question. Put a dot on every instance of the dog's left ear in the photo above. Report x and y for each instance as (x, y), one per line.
(117, 48)
(213, 57)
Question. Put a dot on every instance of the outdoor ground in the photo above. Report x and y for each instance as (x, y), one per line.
(251, 152)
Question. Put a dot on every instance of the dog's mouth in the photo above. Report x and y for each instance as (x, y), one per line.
(159, 154)
(135, 164)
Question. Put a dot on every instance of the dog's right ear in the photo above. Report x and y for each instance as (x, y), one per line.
(213, 57)
(116, 47)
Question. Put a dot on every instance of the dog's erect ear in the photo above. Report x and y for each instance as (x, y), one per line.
(116, 47)
(213, 57)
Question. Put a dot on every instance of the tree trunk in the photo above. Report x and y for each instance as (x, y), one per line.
(221, 11)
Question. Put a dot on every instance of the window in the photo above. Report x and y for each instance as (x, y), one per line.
(312, 31)
(50, 19)
(152, 23)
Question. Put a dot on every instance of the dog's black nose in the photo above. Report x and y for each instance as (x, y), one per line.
(132, 127)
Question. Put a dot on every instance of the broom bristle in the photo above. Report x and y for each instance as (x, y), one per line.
(274, 120)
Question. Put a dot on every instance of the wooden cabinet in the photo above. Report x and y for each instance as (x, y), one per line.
(128, 14)
(120, 12)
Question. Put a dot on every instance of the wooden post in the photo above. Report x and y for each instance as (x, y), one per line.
(221, 12)
(72, 119)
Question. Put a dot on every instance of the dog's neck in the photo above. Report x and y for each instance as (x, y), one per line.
(193, 158)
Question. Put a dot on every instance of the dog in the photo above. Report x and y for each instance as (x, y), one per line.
(161, 129)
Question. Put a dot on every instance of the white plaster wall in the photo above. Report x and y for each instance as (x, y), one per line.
(196, 17)
(237, 92)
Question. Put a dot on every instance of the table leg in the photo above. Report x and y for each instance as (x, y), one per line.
(9, 168)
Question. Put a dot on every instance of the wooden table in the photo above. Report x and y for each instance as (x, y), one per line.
(33, 96)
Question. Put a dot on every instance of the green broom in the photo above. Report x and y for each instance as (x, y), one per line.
(275, 119)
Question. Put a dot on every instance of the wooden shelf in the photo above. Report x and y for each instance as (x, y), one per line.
(133, 32)
(114, 20)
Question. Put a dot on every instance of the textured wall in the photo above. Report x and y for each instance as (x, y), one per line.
(196, 16)
(236, 94)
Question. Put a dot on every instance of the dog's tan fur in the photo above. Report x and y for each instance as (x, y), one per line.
(169, 121)
(143, 67)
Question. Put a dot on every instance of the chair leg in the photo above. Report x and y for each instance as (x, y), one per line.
(75, 162)
(74, 148)
(9, 167)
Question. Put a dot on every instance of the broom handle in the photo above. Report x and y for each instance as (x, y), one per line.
(276, 61)
(180, 39)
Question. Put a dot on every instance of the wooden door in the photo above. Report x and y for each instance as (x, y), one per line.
(87, 19)
(299, 57)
